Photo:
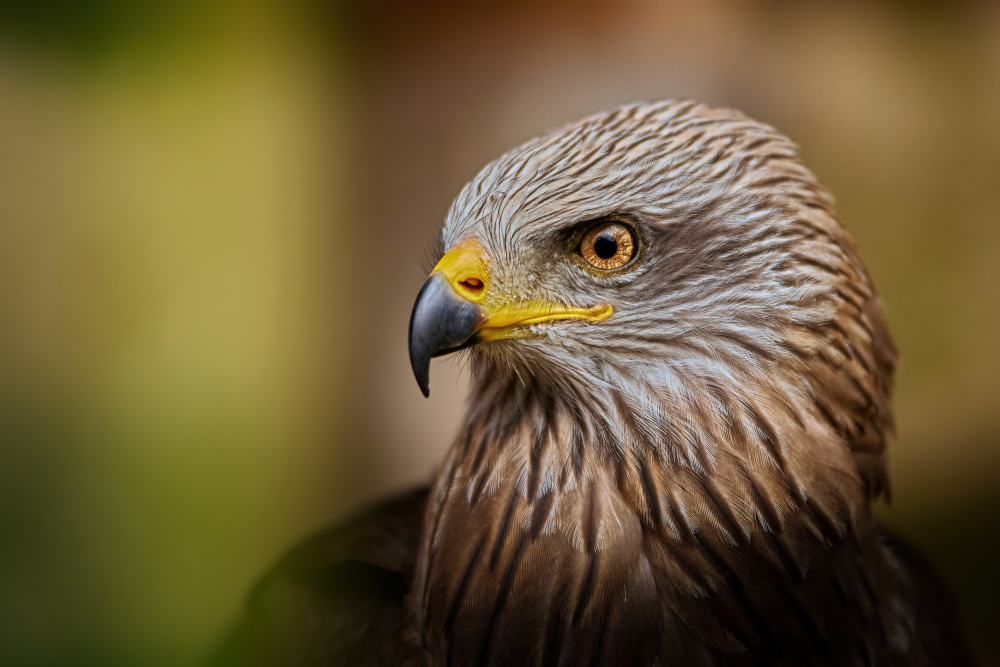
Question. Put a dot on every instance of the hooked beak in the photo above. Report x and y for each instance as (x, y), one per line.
(455, 309)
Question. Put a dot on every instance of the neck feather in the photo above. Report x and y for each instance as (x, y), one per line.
(614, 491)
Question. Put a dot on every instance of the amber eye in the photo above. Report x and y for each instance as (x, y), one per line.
(608, 245)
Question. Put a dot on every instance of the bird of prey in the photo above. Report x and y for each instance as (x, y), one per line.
(679, 412)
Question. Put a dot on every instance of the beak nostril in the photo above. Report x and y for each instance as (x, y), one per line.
(472, 284)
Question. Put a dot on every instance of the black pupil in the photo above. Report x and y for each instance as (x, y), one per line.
(605, 246)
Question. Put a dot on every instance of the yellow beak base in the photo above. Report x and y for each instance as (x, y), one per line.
(455, 309)
(466, 268)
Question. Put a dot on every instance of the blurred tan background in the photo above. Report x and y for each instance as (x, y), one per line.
(214, 217)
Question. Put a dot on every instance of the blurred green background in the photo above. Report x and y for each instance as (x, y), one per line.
(214, 218)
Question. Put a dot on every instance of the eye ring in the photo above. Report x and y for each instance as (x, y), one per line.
(609, 245)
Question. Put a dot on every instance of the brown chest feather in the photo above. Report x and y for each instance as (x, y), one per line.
(578, 575)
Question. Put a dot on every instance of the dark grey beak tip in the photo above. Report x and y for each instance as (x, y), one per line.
(420, 360)
(422, 372)
(441, 322)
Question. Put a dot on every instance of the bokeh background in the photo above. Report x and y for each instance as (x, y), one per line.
(215, 215)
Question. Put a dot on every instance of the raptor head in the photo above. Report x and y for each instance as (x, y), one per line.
(661, 261)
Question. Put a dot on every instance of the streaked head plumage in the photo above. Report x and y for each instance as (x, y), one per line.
(744, 282)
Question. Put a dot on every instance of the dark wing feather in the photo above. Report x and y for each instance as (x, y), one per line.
(937, 630)
(337, 598)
